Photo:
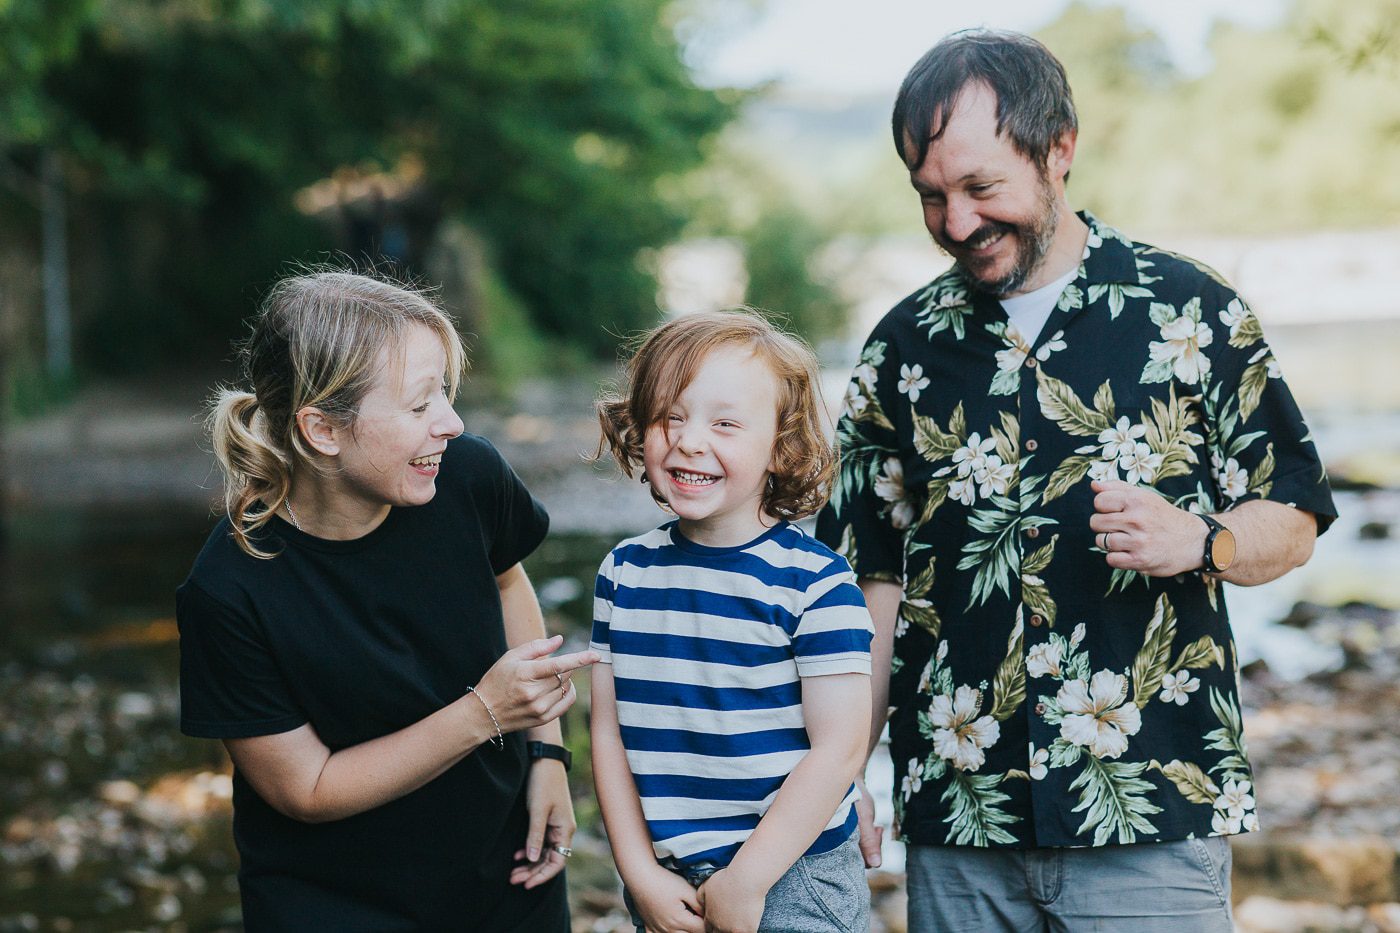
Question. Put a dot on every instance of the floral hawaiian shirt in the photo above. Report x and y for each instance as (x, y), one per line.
(1042, 698)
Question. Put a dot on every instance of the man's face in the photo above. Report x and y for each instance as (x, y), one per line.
(989, 207)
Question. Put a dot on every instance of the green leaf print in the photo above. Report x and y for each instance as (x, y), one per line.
(1248, 333)
(995, 554)
(1064, 753)
(1009, 682)
(1113, 796)
(916, 607)
(1228, 738)
(1169, 434)
(975, 816)
(1203, 652)
(1008, 439)
(1252, 384)
(1161, 314)
(1059, 403)
(1150, 666)
(1189, 779)
(1116, 295)
(1070, 471)
(1260, 481)
(932, 442)
(1036, 561)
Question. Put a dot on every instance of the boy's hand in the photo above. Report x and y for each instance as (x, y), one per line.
(731, 905)
(667, 903)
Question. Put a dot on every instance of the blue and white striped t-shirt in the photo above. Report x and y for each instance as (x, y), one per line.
(707, 646)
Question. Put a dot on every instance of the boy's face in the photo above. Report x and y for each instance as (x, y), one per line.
(710, 458)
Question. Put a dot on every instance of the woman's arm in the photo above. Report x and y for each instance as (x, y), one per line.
(300, 777)
(836, 708)
(547, 793)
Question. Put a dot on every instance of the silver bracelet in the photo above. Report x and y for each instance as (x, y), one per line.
(500, 740)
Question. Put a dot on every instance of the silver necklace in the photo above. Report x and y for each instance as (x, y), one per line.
(292, 515)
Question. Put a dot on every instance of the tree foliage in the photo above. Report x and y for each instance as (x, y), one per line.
(187, 126)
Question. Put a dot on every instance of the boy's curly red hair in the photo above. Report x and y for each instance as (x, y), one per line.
(666, 360)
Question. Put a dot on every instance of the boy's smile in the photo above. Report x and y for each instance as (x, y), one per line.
(711, 457)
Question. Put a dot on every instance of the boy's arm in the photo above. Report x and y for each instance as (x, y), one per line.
(836, 708)
(666, 901)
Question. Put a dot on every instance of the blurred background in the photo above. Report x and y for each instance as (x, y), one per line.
(566, 173)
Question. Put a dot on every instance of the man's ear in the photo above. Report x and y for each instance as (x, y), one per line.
(318, 431)
(1061, 156)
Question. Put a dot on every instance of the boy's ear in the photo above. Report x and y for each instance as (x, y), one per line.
(318, 431)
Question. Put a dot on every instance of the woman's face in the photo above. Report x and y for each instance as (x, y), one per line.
(391, 454)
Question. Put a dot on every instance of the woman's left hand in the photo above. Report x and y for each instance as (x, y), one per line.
(551, 824)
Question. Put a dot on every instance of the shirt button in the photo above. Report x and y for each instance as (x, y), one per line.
(1031, 445)
(1040, 709)
(1030, 362)
(1037, 619)
(1032, 532)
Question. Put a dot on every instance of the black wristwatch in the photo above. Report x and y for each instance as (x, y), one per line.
(538, 750)
(1220, 547)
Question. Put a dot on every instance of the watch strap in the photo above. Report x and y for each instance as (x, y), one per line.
(537, 750)
(1208, 558)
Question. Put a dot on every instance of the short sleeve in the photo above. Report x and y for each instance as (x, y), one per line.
(833, 636)
(230, 685)
(603, 590)
(1261, 447)
(857, 523)
(521, 522)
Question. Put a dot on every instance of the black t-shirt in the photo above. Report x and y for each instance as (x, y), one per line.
(362, 638)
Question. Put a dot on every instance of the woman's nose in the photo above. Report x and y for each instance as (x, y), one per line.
(448, 423)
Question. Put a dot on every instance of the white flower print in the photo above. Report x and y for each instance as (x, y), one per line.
(1039, 757)
(912, 381)
(1251, 821)
(1044, 659)
(1183, 339)
(913, 780)
(1234, 315)
(1053, 345)
(1097, 715)
(942, 651)
(926, 678)
(1223, 825)
(1141, 465)
(1177, 688)
(994, 477)
(1232, 478)
(961, 735)
(1235, 799)
(973, 457)
(1103, 470)
(1076, 636)
(901, 625)
(889, 485)
(856, 400)
(1017, 349)
(963, 490)
(1121, 439)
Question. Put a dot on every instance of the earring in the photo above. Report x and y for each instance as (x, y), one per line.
(644, 479)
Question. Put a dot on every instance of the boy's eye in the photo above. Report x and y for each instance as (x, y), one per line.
(726, 424)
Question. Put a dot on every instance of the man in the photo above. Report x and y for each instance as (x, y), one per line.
(1051, 456)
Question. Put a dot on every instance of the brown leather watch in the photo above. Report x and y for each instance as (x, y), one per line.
(1220, 547)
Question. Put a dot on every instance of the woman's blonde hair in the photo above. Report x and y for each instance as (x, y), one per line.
(667, 359)
(315, 342)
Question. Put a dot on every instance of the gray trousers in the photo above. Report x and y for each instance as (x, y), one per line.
(824, 893)
(1149, 887)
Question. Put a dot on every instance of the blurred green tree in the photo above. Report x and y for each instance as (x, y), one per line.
(185, 129)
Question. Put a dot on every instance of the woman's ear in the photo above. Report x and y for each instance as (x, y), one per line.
(318, 431)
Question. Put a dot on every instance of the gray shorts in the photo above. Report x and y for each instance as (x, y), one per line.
(1148, 887)
(824, 893)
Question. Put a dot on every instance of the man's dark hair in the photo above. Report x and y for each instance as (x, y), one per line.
(1034, 104)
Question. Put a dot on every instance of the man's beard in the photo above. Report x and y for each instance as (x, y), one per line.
(1033, 241)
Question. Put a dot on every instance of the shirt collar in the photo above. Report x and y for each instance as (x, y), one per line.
(1108, 255)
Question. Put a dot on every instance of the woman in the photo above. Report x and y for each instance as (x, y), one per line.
(360, 634)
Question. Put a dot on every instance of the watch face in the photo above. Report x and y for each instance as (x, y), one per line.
(1222, 549)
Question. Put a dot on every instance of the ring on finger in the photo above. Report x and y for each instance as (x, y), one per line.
(565, 851)
(562, 686)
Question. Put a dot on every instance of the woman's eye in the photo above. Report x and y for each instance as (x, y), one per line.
(421, 408)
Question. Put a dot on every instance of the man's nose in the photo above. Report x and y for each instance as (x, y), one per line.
(960, 219)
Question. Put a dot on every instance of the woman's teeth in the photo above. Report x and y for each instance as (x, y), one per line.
(433, 460)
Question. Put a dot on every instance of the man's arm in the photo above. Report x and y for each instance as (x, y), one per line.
(1147, 533)
(882, 599)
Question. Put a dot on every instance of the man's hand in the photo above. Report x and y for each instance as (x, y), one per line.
(871, 833)
(1142, 531)
(667, 903)
(730, 903)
